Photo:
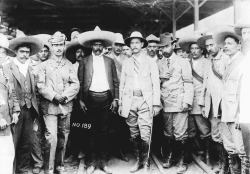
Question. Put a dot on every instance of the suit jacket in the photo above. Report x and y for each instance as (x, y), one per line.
(231, 90)
(179, 88)
(11, 100)
(14, 71)
(85, 74)
(200, 69)
(148, 80)
(213, 86)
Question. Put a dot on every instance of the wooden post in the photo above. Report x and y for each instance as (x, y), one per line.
(196, 15)
(174, 19)
(237, 9)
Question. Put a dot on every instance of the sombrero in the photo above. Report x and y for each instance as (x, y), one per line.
(119, 39)
(152, 38)
(4, 43)
(45, 39)
(136, 34)
(86, 38)
(35, 44)
(185, 42)
(202, 40)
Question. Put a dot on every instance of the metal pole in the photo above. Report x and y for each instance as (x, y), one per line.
(196, 15)
(174, 19)
(237, 14)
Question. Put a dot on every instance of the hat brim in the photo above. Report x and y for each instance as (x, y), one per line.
(186, 42)
(220, 37)
(128, 40)
(238, 27)
(9, 52)
(71, 50)
(202, 40)
(35, 44)
(86, 38)
(162, 44)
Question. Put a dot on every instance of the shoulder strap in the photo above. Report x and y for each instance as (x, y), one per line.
(216, 73)
(196, 75)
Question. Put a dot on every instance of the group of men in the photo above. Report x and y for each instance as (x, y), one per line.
(139, 79)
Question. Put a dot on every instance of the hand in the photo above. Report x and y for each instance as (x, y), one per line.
(120, 110)
(237, 126)
(15, 117)
(184, 106)
(82, 106)
(3, 123)
(156, 110)
(57, 98)
(63, 100)
(114, 106)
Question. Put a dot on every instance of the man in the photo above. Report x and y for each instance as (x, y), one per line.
(98, 94)
(9, 109)
(24, 83)
(127, 51)
(229, 126)
(152, 46)
(73, 34)
(39, 125)
(116, 53)
(139, 98)
(177, 98)
(212, 91)
(197, 123)
(58, 85)
(242, 28)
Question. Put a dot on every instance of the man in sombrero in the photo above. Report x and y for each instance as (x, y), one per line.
(98, 94)
(24, 83)
(58, 85)
(9, 109)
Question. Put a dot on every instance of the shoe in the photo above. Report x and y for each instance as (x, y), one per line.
(183, 160)
(90, 169)
(138, 161)
(107, 170)
(36, 170)
(145, 157)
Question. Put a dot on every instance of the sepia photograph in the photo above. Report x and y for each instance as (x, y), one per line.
(124, 86)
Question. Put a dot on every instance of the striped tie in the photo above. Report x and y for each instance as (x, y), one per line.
(137, 65)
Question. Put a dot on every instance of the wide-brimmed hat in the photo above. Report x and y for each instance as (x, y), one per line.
(185, 42)
(58, 38)
(165, 40)
(71, 49)
(86, 38)
(202, 40)
(152, 38)
(244, 22)
(136, 34)
(4, 43)
(45, 39)
(220, 33)
(35, 44)
(119, 38)
(172, 37)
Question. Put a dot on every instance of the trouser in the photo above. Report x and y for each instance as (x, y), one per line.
(98, 105)
(245, 129)
(232, 139)
(37, 151)
(23, 139)
(140, 119)
(7, 154)
(199, 122)
(176, 125)
(56, 134)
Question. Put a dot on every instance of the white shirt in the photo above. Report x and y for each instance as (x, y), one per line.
(195, 62)
(23, 67)
(76, 65)
(99, 79)
(136, 80)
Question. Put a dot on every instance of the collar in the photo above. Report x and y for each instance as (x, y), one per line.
(101, 55)
(171, 57)
(236, 54)
(139, 58)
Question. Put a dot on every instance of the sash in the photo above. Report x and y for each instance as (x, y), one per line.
(118, 65)
(196, 75)
(216, 73)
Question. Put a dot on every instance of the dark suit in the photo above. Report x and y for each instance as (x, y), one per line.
(98, 105)
(23, 130)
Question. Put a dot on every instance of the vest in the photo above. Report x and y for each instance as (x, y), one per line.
(25, 93)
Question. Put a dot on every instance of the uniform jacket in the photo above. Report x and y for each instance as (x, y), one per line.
(148, 80)
(198, 86)
(57, 78)
(179, 88)
(85, 74)
(14, 70)
(11, 100)
(212, 86)
(231, 90)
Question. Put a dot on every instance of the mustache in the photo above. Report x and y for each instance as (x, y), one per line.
(97, 50)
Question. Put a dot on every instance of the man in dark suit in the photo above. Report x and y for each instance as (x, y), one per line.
(98, 94)
(24, 84)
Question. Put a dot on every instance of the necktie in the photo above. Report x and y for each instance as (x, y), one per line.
(137, 65)
(168, 62)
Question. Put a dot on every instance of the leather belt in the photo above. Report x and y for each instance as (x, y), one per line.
(137, 93)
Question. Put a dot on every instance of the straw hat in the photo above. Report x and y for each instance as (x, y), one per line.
(45, 39)
(202, 40)
(86, 38)
(119, 38)
(4, 43)
(35, 44)
(185, 42)
(152, 38)
(165, 40)
(136, 34)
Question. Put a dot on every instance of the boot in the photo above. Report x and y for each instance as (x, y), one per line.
(183, 159)
(234, 164)
(136, 147)
(207, 151)
(145, 157)
(244, 165)
(167, 156)
(223, 160)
